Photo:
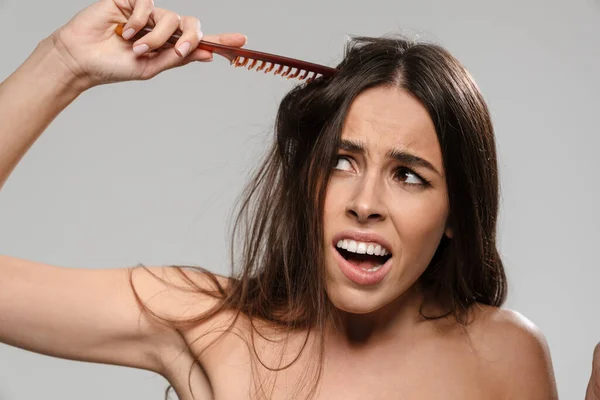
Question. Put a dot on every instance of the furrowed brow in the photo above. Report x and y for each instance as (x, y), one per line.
(411, 159)
(352, 146)
(402, 156)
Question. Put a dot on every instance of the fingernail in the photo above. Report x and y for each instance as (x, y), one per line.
(128, 34)
(207, 60)
(184, 49)
(140, 49)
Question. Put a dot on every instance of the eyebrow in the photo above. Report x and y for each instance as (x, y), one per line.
(403, 156)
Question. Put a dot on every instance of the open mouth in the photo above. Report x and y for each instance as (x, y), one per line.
(367, 262)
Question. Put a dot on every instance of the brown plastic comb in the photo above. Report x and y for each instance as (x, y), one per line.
(241, 57)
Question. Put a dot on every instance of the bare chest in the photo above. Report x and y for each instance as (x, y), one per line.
(229, 372)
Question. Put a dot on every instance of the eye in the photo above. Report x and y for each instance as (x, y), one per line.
(409, 177)
(344, 161)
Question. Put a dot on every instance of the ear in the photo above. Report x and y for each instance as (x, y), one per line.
(448, 232)
(448, 229)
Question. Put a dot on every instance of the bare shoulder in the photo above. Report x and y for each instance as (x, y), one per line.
(516, 353)
(185, 291)
(183, 298)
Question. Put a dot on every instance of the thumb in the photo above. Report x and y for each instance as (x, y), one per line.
(227, 39)
(593, 389)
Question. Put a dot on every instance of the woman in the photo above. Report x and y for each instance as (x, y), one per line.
(369, 263)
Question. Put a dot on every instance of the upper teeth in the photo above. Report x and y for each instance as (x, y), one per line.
(362, 247)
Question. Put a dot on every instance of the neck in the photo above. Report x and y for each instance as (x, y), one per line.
(355, 331)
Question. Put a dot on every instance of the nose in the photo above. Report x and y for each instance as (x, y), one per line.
(366, 204)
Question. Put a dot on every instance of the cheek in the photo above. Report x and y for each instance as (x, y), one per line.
(420, 222)
(334, 203)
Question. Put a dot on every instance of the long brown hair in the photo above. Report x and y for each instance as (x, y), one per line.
(280, 274)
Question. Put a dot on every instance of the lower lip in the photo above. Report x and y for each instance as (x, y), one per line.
(359, 275)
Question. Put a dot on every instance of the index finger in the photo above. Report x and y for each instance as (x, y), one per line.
(142, 9)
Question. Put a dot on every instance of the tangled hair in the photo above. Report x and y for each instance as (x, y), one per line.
(280, 279)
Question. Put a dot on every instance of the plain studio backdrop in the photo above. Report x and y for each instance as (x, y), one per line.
(148, 172)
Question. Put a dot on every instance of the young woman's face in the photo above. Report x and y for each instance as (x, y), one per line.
(388, 189)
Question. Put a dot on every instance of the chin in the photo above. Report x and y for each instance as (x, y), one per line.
(355, 300)
(352, 297)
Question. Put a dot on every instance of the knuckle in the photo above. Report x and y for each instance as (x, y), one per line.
(191, 24)
(158, 12)
(167, 15)
(190, 20)
(137, 21)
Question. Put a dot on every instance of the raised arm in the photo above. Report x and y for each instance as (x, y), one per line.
(76, 313)
(84, 53)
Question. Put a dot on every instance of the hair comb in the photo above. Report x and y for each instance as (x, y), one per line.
(286, 67)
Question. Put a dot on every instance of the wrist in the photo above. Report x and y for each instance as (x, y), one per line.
(47, 65)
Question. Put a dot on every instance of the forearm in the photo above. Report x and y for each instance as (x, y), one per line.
(30, 99)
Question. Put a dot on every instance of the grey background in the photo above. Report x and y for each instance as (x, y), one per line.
(149, 171)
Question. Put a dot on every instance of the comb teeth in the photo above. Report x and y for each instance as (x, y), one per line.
(280, 69)
(240, 57)
(295, 74)
(252, 64)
